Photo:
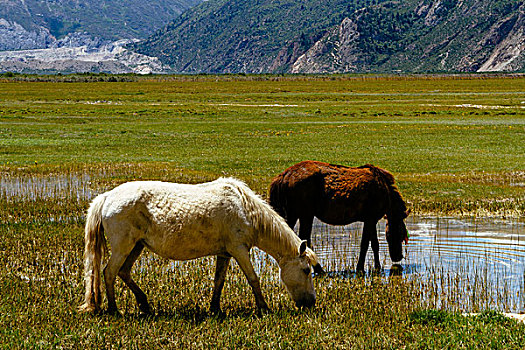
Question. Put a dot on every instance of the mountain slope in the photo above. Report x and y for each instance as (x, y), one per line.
(246, 35)
(29, 24)
(423, 36)
(344, 36)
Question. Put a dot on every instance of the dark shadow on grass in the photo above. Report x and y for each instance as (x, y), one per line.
(197, 315)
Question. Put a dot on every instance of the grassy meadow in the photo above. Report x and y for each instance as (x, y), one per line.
(454, 144)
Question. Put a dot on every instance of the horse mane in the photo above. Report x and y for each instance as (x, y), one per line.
(264, 218)
(276, 195)
(398, 206)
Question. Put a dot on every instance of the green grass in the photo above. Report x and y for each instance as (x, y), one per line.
(62, 143)
(254, 129)
(41, 284)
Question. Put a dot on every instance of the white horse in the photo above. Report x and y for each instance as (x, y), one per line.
(180, 221)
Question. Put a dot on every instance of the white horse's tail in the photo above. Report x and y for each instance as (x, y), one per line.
(95, 248)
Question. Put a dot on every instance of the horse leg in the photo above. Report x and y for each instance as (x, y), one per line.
(305, 228)
(119, 254)
(218, 283)
(242, 256)
(125, 274)
(365, 242)
(374, 242)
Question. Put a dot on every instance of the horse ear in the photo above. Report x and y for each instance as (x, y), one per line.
(302, 248)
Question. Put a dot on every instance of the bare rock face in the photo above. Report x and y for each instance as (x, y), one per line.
(81, 53)
(81, 35)
(509, 37)
(335, 52)
(430, 11)
(15, 37)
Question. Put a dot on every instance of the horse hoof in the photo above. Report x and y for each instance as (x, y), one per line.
(88, 308)
(113, 312)
(264, 310)
(360, 271)
(145, 313)
(215, 307)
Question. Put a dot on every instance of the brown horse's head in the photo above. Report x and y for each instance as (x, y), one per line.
(396, 233)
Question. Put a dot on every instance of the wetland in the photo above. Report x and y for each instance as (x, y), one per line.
(454, 145)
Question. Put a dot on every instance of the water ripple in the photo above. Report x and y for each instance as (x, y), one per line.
(453, 253)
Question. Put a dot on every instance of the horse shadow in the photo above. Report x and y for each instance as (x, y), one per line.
(196, 315)
(193, 314)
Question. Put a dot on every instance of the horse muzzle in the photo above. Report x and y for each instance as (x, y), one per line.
(396, 259)
(305, 302)
(396, 255)
(318, 270)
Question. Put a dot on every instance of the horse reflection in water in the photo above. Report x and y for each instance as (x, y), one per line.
(179, 221)
(340, 195)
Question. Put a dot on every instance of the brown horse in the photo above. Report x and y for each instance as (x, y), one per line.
(340, 195)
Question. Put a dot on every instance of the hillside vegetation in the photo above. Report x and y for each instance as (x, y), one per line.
(246, 36)
(423, 36)
(221, 36)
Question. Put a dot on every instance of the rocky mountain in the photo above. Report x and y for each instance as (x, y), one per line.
(246, 35)
(344, 36)
(423, 36)
(49, 36)
(32, 24)
(80, 53)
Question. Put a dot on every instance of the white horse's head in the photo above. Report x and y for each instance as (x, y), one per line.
(296, 274)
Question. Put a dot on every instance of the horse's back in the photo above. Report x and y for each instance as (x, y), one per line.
(334, 193)
(320, 177)
(157, 194)
(298, 183)
(178, 221)
(130, 195)
(298, 178)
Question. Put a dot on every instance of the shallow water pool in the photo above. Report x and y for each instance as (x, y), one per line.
(461, 264)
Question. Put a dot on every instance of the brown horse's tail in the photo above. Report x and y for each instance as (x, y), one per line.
(94, 251)
(277, 197)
